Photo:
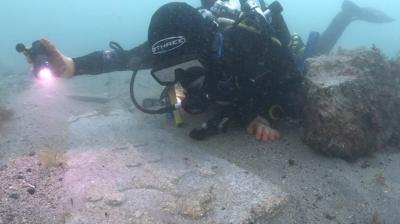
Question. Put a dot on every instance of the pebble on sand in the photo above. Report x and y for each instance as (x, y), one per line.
(195, 205)
(115, 199)
(31, 190)
(14, 196)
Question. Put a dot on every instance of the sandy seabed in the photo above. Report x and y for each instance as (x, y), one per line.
(313, 188)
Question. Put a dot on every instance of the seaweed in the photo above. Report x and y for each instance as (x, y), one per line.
(49, 158)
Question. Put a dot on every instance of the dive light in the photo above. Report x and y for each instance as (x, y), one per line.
(38, 55)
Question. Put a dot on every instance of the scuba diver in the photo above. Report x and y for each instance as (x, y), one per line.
(243, 61)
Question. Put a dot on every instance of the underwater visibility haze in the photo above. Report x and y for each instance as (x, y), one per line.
(80, 27)
(78, 151)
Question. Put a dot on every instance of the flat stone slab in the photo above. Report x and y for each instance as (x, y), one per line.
(127, 167)
(157, 180)
(104, 187)
(120, 166)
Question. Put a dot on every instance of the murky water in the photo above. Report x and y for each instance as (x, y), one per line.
(96, 110)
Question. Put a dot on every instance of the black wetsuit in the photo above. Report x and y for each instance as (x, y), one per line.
(114, 60)
(265, 71)
(254, 73)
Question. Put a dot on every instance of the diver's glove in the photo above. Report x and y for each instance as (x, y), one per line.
(262, 130)
(61, 66)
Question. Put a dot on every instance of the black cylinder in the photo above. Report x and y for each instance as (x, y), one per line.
(20, 48)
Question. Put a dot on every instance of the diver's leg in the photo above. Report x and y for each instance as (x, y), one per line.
(336, 28)
(349, 13)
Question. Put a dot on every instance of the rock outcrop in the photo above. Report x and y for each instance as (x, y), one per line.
(352, 103)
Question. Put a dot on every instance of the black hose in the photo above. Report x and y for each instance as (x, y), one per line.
(137, 105)
(263, 5)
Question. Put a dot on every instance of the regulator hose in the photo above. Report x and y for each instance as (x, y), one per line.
(164, 110)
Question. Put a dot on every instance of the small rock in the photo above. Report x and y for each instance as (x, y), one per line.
(122, 148)
(31, 190)
(9, 218)
(365, 165)
(19, 177)
(206, 172)
(3, 167)
(28, 170)
(140, 145)
(318, 197)
(5, 113)
(292, 162)
(32, 154)
(381, 180)
(94, 197)
(14, 196)
(196, 205)
(138, 214)
(329, 216)
(115, 199)
(134, 165)
(154, 159)
(377, 219)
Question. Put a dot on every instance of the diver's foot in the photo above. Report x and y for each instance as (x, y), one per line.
(262, 130)
(366, 14)
(62, 66)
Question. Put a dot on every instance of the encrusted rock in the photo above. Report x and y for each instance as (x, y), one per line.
(195, 205)
(352, 100)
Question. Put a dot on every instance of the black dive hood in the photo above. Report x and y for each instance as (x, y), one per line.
(178, 40)
(177, 33)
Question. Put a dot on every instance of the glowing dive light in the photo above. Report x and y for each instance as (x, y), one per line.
(45, 74)
(39, 56)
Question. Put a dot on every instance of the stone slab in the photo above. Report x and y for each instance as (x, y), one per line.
(157, 178)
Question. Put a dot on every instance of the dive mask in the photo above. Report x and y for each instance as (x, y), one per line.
(168, 75)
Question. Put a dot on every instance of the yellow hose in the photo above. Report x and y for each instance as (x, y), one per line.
(172, 98)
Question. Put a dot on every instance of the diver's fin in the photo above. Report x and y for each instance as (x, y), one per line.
(350, 12)
(366, 14)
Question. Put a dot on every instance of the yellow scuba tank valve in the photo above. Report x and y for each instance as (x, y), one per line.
(173, 101)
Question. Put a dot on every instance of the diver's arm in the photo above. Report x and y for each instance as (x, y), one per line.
(113, 60)
(98, 62)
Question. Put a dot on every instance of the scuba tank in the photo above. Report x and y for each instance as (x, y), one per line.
(222, 8)
(272, 18)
